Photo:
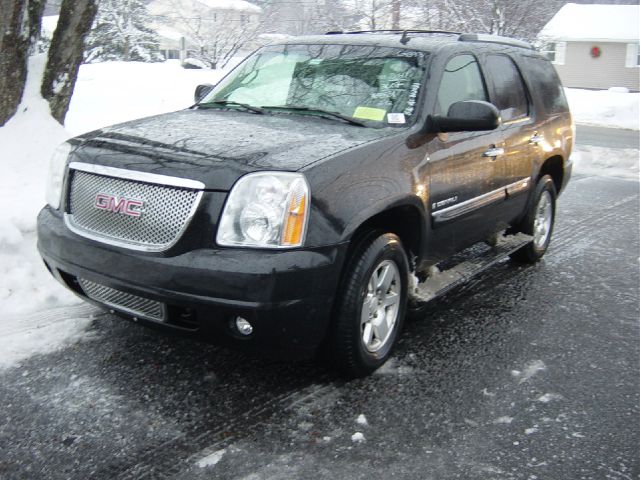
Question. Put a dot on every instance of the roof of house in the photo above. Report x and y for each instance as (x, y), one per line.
(612, 23)
(240, 5)
(187, 8)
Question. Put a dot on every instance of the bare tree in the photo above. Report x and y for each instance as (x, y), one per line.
(521, 19)
(372, 14)
(20, 26)
(304, 17)
(213, 36)
(66, 53)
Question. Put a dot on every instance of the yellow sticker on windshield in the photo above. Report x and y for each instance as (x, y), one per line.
(368, 113)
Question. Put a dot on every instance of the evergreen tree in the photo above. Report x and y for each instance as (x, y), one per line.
(122, 32)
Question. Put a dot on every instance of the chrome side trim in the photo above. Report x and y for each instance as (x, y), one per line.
(470, 205)
(137, 176)
(519, 186)
(454, 211)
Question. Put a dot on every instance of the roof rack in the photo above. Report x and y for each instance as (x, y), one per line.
(338, 32)
(462, 37)
(481, 37)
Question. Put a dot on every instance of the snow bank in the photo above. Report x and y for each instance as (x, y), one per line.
(106, 93)
(605, 108)
(27, 142)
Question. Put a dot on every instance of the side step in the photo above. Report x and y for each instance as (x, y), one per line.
(440, 282)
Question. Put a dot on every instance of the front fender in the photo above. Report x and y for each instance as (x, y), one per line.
(383, 206)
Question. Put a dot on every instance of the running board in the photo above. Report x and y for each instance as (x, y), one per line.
(440, 282)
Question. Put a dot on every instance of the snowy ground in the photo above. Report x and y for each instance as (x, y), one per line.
(604, 108)
(114, 92)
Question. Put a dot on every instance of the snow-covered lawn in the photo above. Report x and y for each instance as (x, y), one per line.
(605, 108)
(113, 92)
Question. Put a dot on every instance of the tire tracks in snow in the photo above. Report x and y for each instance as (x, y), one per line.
(170, 458)
(16, 324)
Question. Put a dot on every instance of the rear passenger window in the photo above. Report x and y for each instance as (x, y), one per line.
(461, 81)
(543, 79)
(510, 95)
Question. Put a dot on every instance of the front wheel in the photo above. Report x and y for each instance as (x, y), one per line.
(371, 306)
(538, 222)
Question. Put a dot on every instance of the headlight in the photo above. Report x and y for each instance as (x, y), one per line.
(266, 210)
(57, 166)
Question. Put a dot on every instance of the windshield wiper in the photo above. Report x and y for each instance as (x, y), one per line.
(324, 113)
(231, 103)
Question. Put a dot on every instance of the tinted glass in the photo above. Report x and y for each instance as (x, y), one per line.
(545, 84)
(461, 81)
(357, 81)
(510, 95)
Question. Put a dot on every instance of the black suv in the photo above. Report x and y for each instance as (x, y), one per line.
(295, 208)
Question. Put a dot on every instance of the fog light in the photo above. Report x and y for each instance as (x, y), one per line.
(243, 326)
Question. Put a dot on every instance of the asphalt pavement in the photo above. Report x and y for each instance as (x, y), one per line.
(607, 137)
(528, 372)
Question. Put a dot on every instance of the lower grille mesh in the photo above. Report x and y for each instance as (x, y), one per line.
(126, 302)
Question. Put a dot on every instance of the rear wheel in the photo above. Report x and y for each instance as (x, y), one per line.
(371, 307)
(538, 222)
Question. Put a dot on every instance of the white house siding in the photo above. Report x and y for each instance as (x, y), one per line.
(580, 70)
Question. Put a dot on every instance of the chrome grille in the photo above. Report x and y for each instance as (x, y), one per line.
(125, 302)
(165, 213)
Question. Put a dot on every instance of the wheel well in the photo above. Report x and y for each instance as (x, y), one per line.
(404, 221)
(553, 166)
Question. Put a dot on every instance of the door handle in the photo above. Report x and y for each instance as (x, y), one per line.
(493, 152)
(536, 139)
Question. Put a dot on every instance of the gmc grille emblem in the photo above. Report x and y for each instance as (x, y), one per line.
(127, 206)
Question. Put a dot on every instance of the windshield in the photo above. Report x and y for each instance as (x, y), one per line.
(373, 84)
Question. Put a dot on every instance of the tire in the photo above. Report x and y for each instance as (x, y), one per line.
(361, 342)
(538, 222)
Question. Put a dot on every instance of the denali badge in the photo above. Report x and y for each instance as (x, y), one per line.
(127, 206)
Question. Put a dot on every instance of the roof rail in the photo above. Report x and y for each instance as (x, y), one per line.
(403, 32)
(462, 37)
(481, 37)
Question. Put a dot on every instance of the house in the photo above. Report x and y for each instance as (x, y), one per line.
(595, 46)
(179, 23)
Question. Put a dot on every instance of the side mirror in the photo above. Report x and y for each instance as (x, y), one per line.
(202, 91)
(467, 116)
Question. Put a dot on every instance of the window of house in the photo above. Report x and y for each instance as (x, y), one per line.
(461, 81)
(555, 52)
(244, 19)
(550, 51)
(171, 54)
(509, 92)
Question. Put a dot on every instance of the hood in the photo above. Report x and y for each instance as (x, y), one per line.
(217, 147)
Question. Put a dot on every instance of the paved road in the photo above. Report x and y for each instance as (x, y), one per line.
(527, 373)
(607, 137)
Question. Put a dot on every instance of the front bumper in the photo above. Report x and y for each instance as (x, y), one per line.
(287, 296)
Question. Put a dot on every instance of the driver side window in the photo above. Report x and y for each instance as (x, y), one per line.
(461, 81)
